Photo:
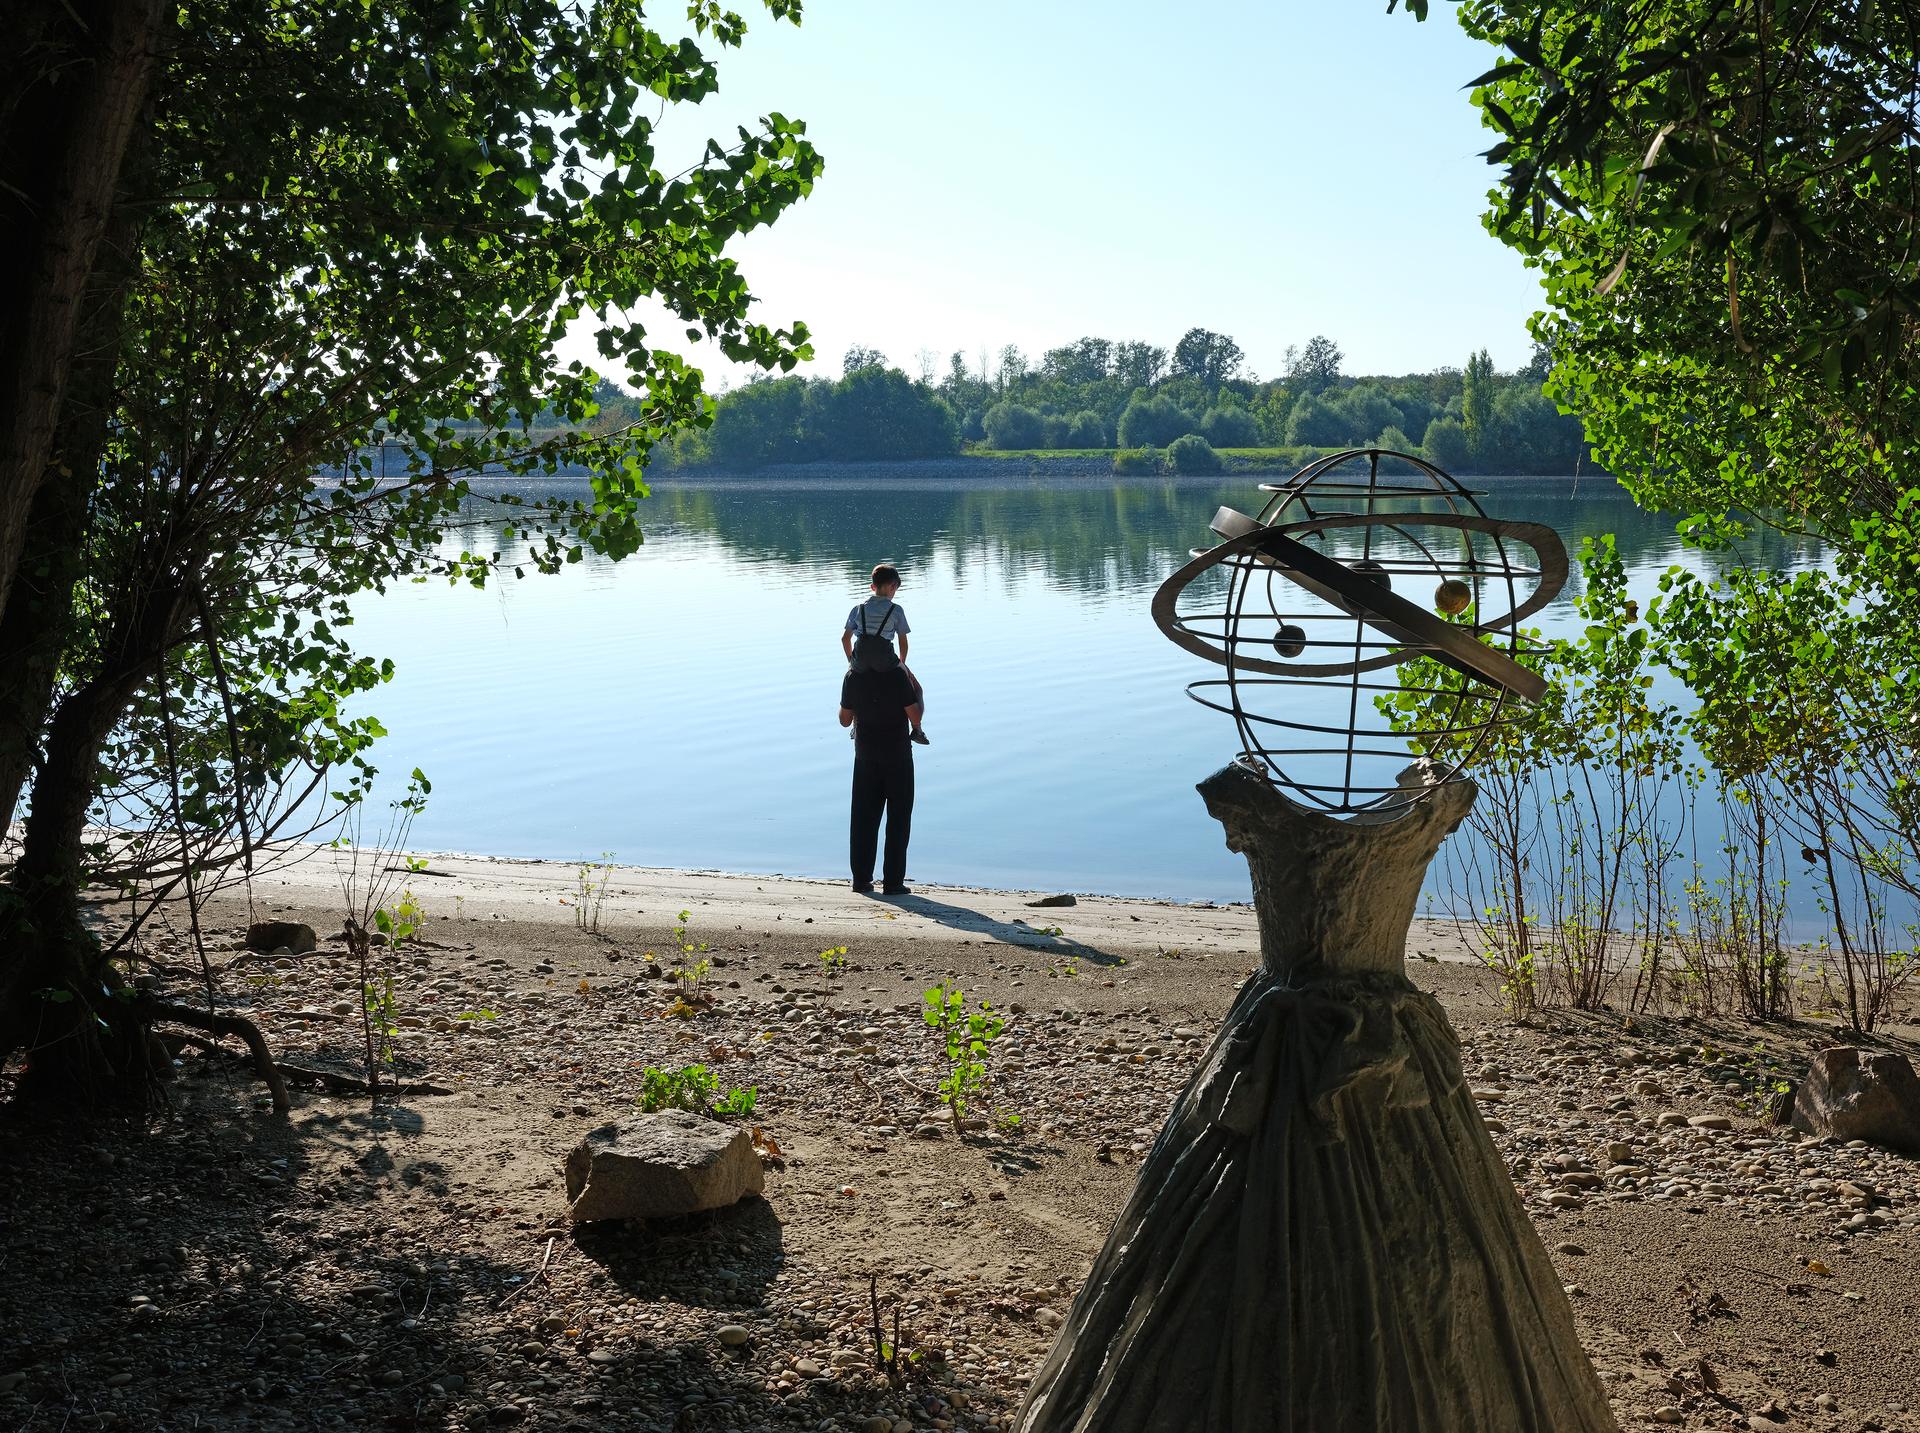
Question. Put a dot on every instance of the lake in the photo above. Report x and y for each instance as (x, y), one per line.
(678, 708)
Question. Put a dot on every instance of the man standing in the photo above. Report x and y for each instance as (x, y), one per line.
(875, 705)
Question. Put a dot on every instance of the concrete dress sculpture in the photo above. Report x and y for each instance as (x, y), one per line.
(1323, 1239)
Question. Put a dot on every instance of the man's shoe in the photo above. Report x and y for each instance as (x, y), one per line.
(893, 890)
(920, 738)
(863, 888)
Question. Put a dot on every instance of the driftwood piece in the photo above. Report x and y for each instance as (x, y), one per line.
(1323, 1237)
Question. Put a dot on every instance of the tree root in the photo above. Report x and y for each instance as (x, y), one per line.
(228, 1025)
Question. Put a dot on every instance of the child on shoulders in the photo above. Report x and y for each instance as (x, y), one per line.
(867, 639)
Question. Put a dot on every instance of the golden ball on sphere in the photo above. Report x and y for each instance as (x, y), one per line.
(1452, 597)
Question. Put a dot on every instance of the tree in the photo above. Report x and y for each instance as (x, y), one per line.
(240, 402)
(1315, 422)
(1229, 428)
(1138, 365)
(1476, 400)
(1153, 422)
(876, 413)
(1010, 427)
(759, 423)
(1086, 429)
(1446, 445)
(859, 356)
(1211, 357)
(1082, 362)
(67, 123)
(1315, 368)
(1011, 370)
(1718, 200)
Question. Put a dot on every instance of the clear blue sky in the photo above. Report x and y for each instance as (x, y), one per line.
(1027, 173)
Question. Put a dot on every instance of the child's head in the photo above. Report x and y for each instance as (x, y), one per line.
(886, 579)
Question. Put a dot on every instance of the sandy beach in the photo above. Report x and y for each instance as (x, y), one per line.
(411, 1266)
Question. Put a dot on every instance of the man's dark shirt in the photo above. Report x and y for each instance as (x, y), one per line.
(879, 702)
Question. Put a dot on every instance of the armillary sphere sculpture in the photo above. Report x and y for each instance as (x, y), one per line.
(1323, 1239)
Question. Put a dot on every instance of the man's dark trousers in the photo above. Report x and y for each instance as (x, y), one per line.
(882, 784)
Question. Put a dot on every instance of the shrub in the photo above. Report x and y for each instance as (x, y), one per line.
(1447, 445)
(1136, 462)
(1087, 430)
(1230, 428)
(1056, 430)
(1153, 422)
(1192, 454)
(1011, 426)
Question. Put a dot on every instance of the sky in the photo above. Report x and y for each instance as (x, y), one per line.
(1028, 173)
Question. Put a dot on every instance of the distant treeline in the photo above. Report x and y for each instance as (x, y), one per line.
(1140, 400)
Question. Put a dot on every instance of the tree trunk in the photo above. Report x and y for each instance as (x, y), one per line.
(60, 999)
(36, 620)
(1323, 1236)
(68, 123)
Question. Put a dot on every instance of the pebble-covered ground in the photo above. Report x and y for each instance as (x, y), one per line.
(408, 1265)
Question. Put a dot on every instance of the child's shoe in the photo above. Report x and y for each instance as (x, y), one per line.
(920, 738)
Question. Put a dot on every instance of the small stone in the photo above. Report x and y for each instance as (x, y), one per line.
(1573, 1249)
(1713, 1122)
(11, 1381)
(808, 1367)
(603, 1355)
(118, 1380)
(879, 1423)
(732, 1335)
(1668, 1414)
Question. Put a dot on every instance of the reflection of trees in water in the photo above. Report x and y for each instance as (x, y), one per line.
(1079, 535)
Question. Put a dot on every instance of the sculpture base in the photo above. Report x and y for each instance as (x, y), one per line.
(1323, 1239)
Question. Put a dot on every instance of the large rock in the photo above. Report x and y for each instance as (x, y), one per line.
(269, 936)
(1851, 1093)
(661, 1165)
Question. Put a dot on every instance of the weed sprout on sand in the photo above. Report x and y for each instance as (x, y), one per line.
(366, 888)
(590, 893)
(966, 1040)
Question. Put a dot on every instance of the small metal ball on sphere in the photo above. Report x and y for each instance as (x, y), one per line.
(1452, 597)
(1290, 641)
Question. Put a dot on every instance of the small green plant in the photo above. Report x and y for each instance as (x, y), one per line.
(481, 1014)
(590, 893)
(683, 933)
(383, 1017)
(402, 922)
(415, 864)
(834, 959)
(1048, 930)
(691, 1087)
(692, 980)
(1067, 968)
(689, 975)
(966, 1040)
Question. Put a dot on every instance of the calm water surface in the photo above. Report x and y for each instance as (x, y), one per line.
(678, 708)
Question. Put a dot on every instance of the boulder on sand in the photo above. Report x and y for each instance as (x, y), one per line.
(269, 936)
(659, 1166)
(1850, 1093)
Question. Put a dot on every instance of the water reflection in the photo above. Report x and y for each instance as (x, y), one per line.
(677, 708)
